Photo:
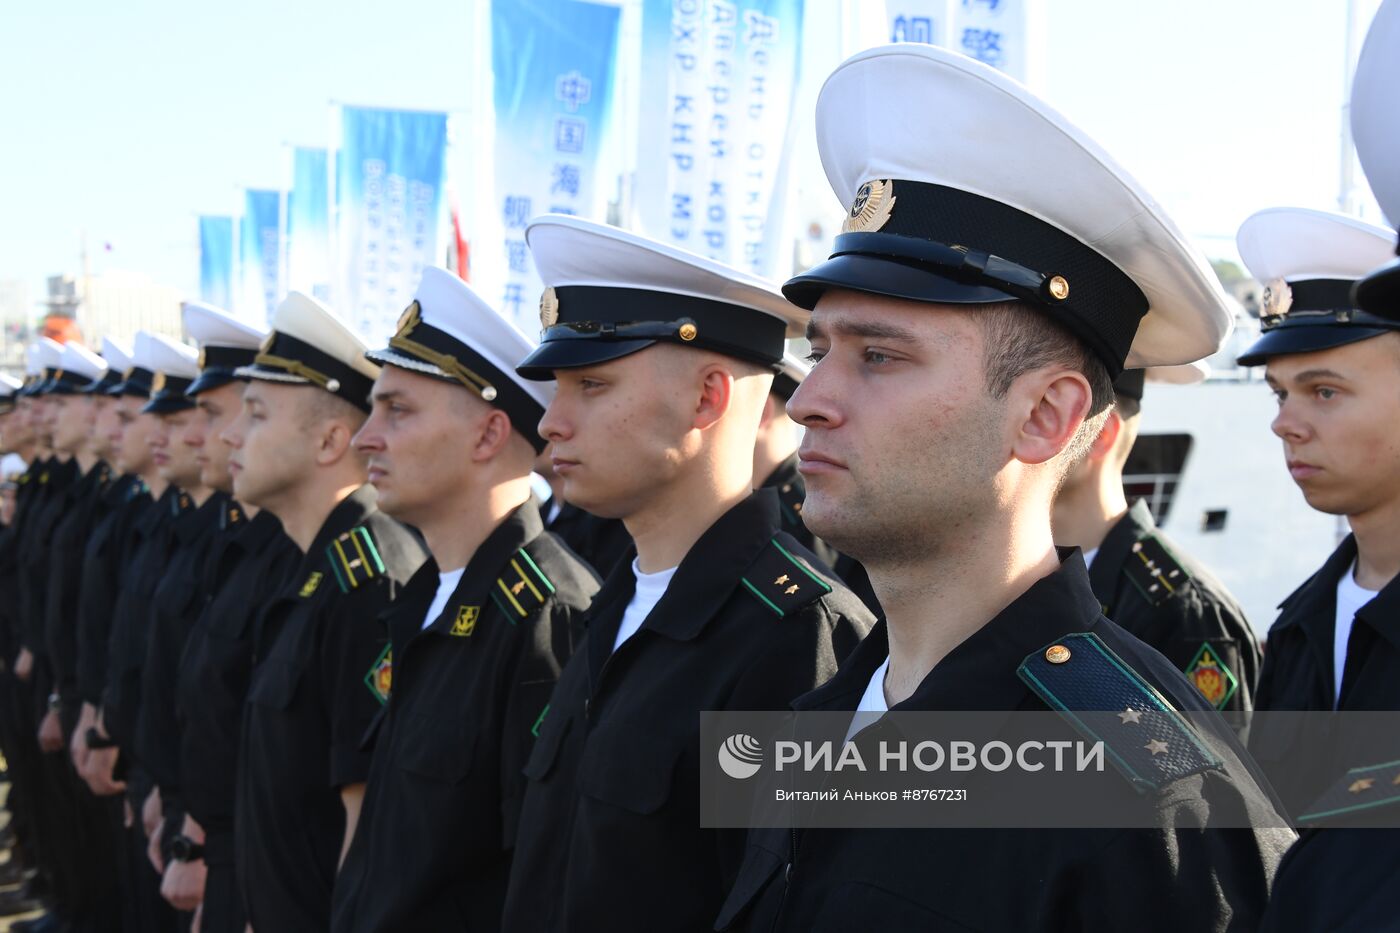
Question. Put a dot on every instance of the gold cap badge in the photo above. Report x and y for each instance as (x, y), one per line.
(157, 382)
(409, 319)
(871, 208)
(1276, 300)
(549, 308)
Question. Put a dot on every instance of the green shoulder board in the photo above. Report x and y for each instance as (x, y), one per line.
(354, 559)
(782, 582)
(1105, 700)
(1154, 571)
(522, 588)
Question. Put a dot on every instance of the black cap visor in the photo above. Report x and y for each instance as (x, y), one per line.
(212, 379)
(563, 352)
(1305, 338)
(1379, 292)
(167, 403)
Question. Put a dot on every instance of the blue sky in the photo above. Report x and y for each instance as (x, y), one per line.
(126, 120)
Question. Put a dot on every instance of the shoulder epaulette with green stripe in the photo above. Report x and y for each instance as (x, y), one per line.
(782, 582)
(522, 588)
(354, 559)
(1359, 789)
(1105, 700)
(1154, 571)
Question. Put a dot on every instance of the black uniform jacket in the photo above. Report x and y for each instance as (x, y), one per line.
(432, 849)
(609, 837)
(1022, 879)
(601, 542)
(1154, 591)
(215, 668)
(45, 510)
(105, 561)
(1335, 878)
(322, 669)
(86, 507)
(173, 609)
(153, 542)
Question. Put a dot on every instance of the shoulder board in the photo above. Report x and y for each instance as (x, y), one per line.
(138, 488)
(1154, 571)
(522, 588)
(24, 479)
(1107, 701)
(1359, 789)
(231, 517)
(791, 494)
(354, 559)
(180, 503)
(782, 582)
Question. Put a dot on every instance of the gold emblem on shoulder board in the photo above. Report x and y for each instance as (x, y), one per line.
(410, 318)
(1276, 300)
(871, 208)
(549, 308)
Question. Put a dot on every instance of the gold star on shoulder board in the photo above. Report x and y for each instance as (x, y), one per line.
(792, 589)
(1156, 747)
(517, 587)
(1360, 785)
(781, 580)
(1130, 715)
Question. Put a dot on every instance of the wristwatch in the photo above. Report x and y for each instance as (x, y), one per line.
(185, 849)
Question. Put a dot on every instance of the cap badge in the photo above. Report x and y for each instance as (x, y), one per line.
(549, 309)
(410, 318)
(689, 332)
(871, 208)
(157, 382)
(203, 359)
(267, 342)
(1276, 300)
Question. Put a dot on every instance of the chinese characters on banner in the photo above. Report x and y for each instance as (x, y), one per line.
(719, 79)
(260, 254)
(389, 179)
(216, 261)
(553, 64)
(1000, 33)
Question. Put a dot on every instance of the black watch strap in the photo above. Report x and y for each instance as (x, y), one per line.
(96, 739)
(185, 849)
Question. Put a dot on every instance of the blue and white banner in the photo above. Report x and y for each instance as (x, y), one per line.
(216, 261)
(719, 81)
(260, 254)
(308, 224)
(389, 180)
(1006, 34)
(553, 63)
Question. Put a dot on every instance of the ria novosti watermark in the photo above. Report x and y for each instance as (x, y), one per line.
(1095, 769)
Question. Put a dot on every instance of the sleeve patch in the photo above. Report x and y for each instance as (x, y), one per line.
(380, 676)
(354, 559)
(1153, 570)
(1209, 674)
(1107, 701)
(522, 588)
(781, 582)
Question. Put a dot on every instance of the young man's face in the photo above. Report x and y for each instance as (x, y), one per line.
(104, 425)
(903, 444)
(131, 446)
(417, 441)
(1337, 414)
(217, 409)
(14, 431)
(72, 422)
(621, 430)
(273, 450)
(174, 459)
(39, 414)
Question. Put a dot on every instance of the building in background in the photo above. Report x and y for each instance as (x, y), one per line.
(15, 323)
(118, 304)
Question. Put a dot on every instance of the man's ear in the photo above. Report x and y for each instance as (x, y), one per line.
(336, 437)
(1057, 404)
(1108, 436)
(493, 432)
(715, 396)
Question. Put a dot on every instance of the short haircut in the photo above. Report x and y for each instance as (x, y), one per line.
(320, 405)
(1018, 339)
